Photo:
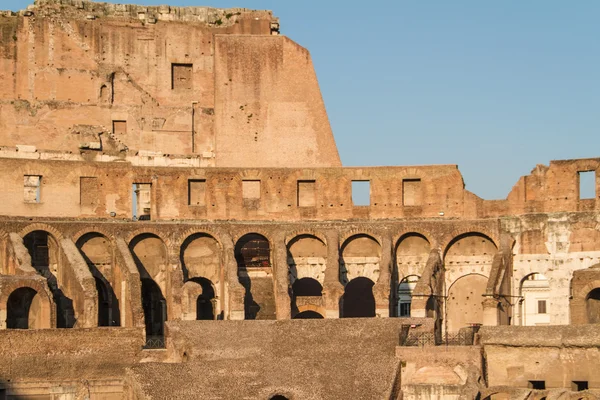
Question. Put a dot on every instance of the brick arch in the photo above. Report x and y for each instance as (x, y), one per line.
(41, 227)
(152, 231)
(35, 168)
(396, 239)
(345, 238)
(236, 238)
(93, 229)
(450, 238)
(197, 231)
(586, 289)
(40, 288)
(251, 173)
(305, 232)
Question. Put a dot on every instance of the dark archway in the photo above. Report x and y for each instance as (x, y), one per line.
(253, 256)
(204, 302)
(358, 300)
(96, 250)
(155, 309)
(593, 306)
(17, 308)
(307, 287)
(278, 397)
(308, 315)
(45, 258)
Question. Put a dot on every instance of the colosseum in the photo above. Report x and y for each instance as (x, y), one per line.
(175, 223)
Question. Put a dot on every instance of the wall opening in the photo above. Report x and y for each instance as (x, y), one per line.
(537, 385)
(412, 193)
(593, 306)
(253, 256)
(306, 194)
(308, 315)
(197, 192)
(97, 252)
(361, 193)
(251, 193)
(32, 185)
(18, 308)
(358, 300)
(141, 201)
(579, 386)
(182, 76)
(205, 301)
(119, 127)
(405, 290)
(155, 310)
(587, 184)
(45, 259)
(535, 291)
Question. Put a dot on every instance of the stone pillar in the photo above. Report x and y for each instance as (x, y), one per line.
(283, 307)
(381, 289)
(490, 312)
(332, 288)
(234, 290)
(174, 286)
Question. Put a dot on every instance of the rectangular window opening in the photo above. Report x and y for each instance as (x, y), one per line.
(119, 127)
(181, 76)
(141, 201)
(541, 306)
(361, 193)
(579, 386)
(306, 194)
(537, 385)
(587, 184)
(197, 192)
(411, 192)
(405, 309)
(32, 188)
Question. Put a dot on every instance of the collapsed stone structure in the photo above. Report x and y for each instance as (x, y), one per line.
(164, 165)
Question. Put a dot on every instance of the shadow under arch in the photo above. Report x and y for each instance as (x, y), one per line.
(45, 255)
(358, 300)
(96, 250)
(253, 257)
(18, 307)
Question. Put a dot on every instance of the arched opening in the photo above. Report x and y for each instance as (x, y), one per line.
(307, 260)
(405, 290)
(535, 292)
(358, 300)
(18, 308)
(593, 306)
(151, 258)
(253, 256)
(412, 253)
(155, 309)
(45, 258)
(309, 314)
(204, 301)
(464, 305)
(200, 257)
(360, 258)
(97, 253)
(278, 397)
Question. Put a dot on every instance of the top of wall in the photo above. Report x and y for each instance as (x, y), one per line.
(75, 9)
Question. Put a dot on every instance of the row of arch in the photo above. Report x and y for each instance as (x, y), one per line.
(201, 262)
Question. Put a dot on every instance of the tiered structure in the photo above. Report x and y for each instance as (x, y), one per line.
(164, 165)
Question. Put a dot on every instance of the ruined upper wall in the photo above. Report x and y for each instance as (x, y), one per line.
(150, 79)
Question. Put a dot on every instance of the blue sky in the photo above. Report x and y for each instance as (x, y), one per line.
(495, 87)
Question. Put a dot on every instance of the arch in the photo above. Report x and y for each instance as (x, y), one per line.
(534, 290)
(97, 251)
(147, 231)
(253, 250)
(253, 256)
(307, 287)
(278, 397)
(471, 244)
(45, 255)
(309, 314)
(305, 233)
(360, 256)
(200, 256)
(464, 303)
(93, 229)
(151, 258)
(358, 300)
(41, 227)
(592, 303)
(18, 307)
(199, 299)
(405, 290)
(306, 258)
